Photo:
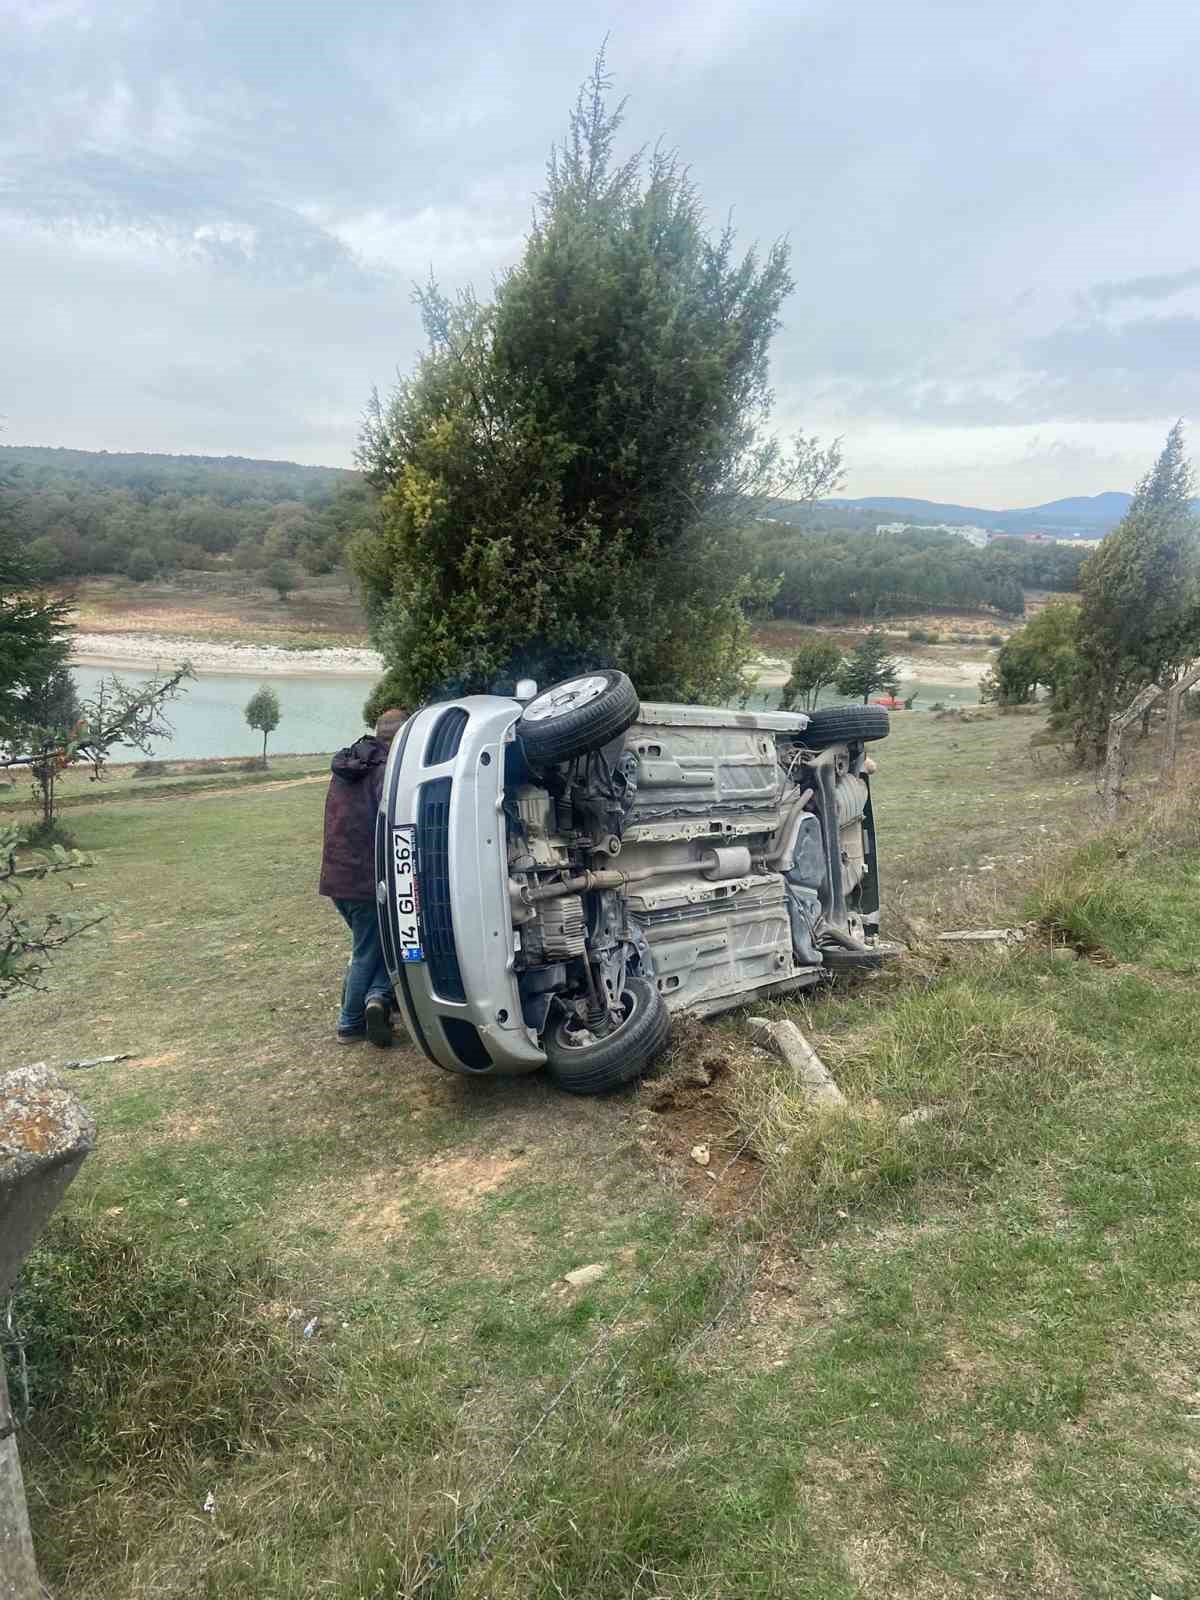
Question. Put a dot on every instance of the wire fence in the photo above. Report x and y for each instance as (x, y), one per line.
(436, 1565)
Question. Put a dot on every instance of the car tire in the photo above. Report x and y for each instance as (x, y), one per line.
(577, 716)
(620, 1056)
(845, 725)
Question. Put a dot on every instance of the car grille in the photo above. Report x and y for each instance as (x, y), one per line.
(446, 737)
(433, 877)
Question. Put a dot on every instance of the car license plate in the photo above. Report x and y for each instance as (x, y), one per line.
(408, 924)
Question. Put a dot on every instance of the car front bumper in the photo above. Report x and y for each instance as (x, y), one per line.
(445, 781)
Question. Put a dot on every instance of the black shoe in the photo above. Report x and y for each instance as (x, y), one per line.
(379, 1023)
(351, 1035)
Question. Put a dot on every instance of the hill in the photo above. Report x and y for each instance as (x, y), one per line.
(81, 512)
(228, 479)
(1082, 515)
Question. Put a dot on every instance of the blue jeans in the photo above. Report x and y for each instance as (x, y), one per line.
(367, 975)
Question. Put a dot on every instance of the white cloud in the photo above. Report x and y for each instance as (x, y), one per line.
(212, 214)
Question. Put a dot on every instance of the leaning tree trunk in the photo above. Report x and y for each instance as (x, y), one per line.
(46, 775)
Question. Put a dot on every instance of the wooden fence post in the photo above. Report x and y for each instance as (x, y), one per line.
(1175, 696)
(1114, 766)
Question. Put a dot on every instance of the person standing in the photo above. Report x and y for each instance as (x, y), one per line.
(348, 879)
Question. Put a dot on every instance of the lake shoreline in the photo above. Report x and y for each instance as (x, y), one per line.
(145, 653)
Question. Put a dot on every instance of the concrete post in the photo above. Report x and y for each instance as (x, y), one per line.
(1174, 702)
(44, 1136)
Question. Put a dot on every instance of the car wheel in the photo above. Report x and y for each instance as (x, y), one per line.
(845, 725)
(576, 716)
(582, 1064)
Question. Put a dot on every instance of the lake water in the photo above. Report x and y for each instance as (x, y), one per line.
(322, 713)
(209, 719)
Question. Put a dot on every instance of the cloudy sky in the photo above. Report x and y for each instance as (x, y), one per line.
(212, 212)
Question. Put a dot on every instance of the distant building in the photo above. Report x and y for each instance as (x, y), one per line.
(965, 530)
(1033, 537)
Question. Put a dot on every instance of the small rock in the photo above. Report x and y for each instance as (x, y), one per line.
(182, 1202)
(912, 1119)
(701, 1155)
(583, 1277)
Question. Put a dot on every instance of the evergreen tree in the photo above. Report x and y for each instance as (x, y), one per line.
(1139, 617)
(815, 666)
(34, 643)
(868, 668)
(51, 720)
(568, 474)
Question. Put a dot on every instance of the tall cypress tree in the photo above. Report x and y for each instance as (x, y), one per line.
(566, 475)
(1139, 617)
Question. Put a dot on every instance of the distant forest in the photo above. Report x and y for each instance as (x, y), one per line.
(832, 563)
(80, 514)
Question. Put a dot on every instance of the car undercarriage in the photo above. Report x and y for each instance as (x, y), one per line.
(561, 873)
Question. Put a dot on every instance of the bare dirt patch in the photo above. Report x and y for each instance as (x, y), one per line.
(259, 788)
(183, 1128)
(686, 1110)
(166, 1059)
(378, 1207)
(460, 1181)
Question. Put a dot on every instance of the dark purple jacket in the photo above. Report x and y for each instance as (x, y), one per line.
(348, 852)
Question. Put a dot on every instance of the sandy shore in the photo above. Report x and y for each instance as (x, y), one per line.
(772, 672)
(148, 651)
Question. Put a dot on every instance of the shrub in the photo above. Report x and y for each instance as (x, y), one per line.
(919, 636)
(141, 565)
(141, 1356)
(387, 694)
(44, 835)
(995, 640)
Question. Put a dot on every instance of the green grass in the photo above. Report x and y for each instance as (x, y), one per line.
(955, 1358)
(121, 780)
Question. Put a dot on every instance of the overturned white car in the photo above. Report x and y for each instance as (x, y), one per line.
(560, 872)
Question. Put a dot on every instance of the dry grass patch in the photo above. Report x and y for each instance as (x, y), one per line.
(461, 1181)
(375, 1208)
(982, 1062)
